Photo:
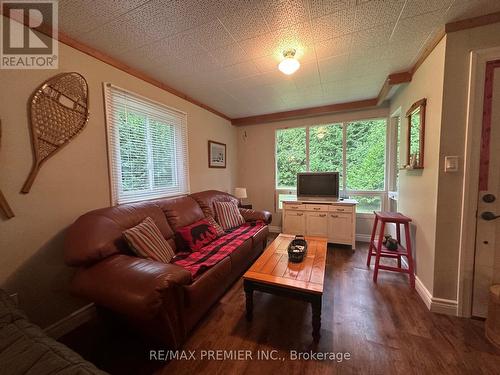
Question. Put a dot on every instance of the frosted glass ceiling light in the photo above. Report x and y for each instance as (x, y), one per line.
(289, 65)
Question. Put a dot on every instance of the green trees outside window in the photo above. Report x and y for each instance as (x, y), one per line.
(147, 153)
(356, 150)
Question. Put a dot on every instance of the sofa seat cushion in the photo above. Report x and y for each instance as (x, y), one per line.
(210, 255)
(260, 236)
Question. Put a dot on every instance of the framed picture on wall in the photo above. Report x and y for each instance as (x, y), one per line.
(216, 154)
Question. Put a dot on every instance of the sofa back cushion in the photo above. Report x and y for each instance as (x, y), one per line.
(180, 211)
(146, 241)
(206, 200)
(98, 234)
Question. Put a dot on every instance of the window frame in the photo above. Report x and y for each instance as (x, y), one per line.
(383, 194)
(114, 153)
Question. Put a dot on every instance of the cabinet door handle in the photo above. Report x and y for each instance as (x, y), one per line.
(322, 215)
(334, 215)
(316, 208)
(300, 214)
(340, 209)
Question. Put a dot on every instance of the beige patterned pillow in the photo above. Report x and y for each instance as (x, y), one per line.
(228, 215)
(146, 240)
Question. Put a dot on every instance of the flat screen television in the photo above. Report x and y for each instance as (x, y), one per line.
(318, 185)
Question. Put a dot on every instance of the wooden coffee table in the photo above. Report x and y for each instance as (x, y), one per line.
(273, 273)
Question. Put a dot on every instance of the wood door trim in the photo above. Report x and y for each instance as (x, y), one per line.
(484, 159)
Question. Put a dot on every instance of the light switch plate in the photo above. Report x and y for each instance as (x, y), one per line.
(451, 163)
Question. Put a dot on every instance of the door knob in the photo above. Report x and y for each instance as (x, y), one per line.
(488, 216)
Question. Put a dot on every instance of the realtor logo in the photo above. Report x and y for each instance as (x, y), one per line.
(29, 35)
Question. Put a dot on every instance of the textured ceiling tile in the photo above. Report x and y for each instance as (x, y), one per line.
(298, 37)
(372, 37)
(334, 24)
(180, 46)
(333, 69)
(333, 47)
(373, 13)
(417, 7)
(212, 35)
(267, 63)
(306, 76)
(282, 14)
(230, 55)
(226, 52)
(245, 21)
(236, 71)
(320, 8)
(416, 29)
(75, 19)
(259, 46)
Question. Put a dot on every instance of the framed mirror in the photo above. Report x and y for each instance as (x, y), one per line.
(416, 135)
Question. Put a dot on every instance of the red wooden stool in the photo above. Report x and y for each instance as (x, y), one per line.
(379, 250)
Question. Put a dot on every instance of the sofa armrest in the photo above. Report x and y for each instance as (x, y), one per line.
(128, 285)
(254, 215)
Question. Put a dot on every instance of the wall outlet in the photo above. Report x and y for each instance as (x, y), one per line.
(15, 297)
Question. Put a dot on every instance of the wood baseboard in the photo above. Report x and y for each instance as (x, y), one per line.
(360, 237)
(274, 229)
(435, 305)
(72, 321)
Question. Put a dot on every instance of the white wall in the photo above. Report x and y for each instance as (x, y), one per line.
(418, 189)
(75, 180)
(452, 142)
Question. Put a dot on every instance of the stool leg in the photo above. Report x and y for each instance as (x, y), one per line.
(409, 255)
(378, 250)
(372, 238)
(398, 238)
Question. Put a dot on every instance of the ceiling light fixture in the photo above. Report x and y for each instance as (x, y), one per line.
(289, 65)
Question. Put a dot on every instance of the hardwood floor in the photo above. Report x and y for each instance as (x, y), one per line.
(385, 328)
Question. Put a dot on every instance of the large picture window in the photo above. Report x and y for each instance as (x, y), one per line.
(147, 147)
(357, 150)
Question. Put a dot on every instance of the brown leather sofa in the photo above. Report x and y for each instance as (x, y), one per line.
(161, 300)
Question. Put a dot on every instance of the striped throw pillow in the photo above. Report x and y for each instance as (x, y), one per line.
(146, 240)
(228, 215)
(216, 225)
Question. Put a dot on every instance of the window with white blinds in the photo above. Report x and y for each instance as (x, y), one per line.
(147, 145)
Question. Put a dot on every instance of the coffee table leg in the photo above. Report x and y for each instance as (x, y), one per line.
(316, 317)
(249, 299)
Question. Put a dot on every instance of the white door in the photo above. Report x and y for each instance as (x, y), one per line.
(487, 255)
(317, 224)
(294, 223)
(340, 228)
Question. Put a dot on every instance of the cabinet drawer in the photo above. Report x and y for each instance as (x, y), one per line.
(316, 207)
(292, 206)
(340, 208)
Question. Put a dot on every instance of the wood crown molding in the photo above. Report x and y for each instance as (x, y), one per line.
(470, 23)
(391, 80)
(306, 112)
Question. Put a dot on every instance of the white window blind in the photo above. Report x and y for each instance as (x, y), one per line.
(147, 145)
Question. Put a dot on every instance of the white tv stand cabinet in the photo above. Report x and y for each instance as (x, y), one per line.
(334, 220)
